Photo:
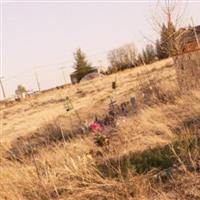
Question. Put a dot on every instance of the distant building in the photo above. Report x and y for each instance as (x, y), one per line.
(187, 58)
(188, 39)
(91, 75)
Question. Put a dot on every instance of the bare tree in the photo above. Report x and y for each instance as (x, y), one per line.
(167, 18)
(168, 12)
(123, 57)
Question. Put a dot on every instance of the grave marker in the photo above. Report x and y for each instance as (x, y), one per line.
(114, 85)
(133, 103)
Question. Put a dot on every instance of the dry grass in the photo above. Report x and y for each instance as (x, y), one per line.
(153, 153)
(27, 116)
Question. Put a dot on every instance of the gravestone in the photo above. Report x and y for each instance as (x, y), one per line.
(114, 85)
(133, 104)
(124, 108)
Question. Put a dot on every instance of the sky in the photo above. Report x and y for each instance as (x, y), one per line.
(41, 37)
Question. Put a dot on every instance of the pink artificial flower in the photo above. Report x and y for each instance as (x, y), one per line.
(96, 127)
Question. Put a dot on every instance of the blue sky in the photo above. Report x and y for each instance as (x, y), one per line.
(44, 35)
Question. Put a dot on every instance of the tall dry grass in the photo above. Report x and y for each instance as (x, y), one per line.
(153, 154)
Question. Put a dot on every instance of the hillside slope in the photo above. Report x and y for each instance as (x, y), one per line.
(88, 97)
(153, 150)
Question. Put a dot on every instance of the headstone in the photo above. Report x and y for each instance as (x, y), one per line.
(114, 85)
(133, 103)
(124, 108)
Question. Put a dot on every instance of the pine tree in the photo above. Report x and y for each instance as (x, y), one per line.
(150, 53)
(82, 67)
(164, 43)
(165, 46)
(158, 50)
(171, 37)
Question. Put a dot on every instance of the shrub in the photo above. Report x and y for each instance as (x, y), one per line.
(151, 90)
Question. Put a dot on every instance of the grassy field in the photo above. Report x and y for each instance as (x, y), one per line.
(88, 98)
(153, 153)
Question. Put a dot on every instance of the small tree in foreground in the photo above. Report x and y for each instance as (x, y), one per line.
(81, 66)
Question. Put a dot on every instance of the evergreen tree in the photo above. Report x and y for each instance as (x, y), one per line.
(82, 67)
(150, 53)
(171, 37)
(164, 43)
(158, 50)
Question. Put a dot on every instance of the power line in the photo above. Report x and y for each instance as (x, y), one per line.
(63, 73)
(37, 80)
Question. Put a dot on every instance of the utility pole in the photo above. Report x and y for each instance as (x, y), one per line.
(63, 73)
(37, 80)
(2, 88)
